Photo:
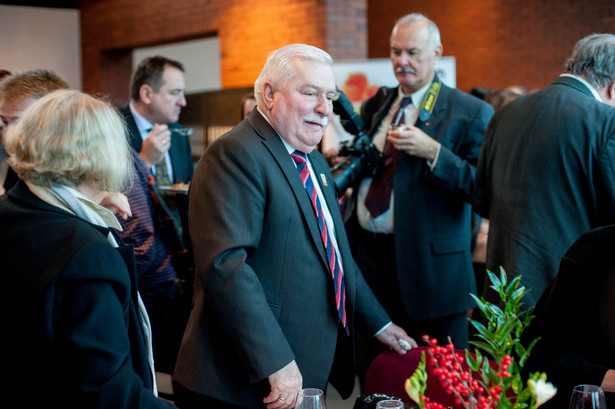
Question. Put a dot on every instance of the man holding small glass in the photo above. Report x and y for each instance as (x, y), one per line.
(156, 99)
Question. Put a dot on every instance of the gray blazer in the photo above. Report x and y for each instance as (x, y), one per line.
(263, 293)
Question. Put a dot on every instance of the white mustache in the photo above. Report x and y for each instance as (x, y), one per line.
(405, 70)
(322, 121)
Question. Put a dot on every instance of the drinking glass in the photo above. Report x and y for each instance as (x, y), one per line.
(587, 397)
(310, 398)
(389, 403)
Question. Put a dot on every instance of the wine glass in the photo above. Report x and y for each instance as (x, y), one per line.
(587, 397)
(389, 403)
(310, 398)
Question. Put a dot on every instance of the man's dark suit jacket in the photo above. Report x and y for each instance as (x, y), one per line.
(432, 210)
(264, 293)
(180, 150)
(576, 319)
(73, 337)
(545, 176)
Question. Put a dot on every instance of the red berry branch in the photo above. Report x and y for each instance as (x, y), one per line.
(456, 378)
(470, 377)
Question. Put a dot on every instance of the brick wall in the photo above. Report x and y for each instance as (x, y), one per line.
(247, 31)
(498, 43)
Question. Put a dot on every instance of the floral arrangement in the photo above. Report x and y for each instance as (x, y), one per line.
(489, 377)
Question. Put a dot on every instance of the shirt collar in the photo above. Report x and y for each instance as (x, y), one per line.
(289, 148)
(417, 97)
(143, 125)
(584, 82)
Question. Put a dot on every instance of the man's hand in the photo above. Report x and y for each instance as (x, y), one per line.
(392, 335)
(285, 384)
(414, 142)
(118, 204)
(156, 144)
(608, 382)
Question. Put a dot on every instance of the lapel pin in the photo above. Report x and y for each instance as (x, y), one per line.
(324, 179)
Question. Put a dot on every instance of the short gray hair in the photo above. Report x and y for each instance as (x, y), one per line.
(70, 138)
(593, 58)
(279, 68)
(418, 18)
(33, 83)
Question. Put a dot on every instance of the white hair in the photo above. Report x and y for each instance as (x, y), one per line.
(279, 68)
(418, 18)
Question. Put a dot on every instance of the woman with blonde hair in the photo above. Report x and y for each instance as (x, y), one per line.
(78, 335)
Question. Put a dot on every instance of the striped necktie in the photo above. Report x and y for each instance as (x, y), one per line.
(378, 199)
(334, 264)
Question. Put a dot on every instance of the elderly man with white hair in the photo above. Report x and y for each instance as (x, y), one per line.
(278, 296)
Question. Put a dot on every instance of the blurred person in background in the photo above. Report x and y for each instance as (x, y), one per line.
(411, 227)
(7, 175)
(545, 173)
(156, 99)
(248, 103)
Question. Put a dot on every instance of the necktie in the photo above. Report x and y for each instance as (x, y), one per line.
(160, 169)
(378, 199)
(334, 265)
(162, 173)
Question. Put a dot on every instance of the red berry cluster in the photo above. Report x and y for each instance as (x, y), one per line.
(458, 381)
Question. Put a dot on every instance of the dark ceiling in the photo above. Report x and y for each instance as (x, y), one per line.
(63, 4)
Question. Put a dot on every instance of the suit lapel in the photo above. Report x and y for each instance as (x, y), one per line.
(274, 144)
(384, 110)
(325, 182)
(175, 154)
(134, 137)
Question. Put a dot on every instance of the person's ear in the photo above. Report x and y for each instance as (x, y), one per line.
(438, 51)
(607, 93)
(146, 93)
(268, 95)
(611, 90)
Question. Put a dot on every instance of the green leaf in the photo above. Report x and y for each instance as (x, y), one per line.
(472, 363)
(496, 284)
(497, 311)
(485, 347)
(503, 332)
(523, 358)
(518, 294)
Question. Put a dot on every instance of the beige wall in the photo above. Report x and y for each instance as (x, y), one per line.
(36, 37)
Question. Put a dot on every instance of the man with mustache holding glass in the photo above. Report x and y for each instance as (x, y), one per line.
(278, 296)
(411, 228)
